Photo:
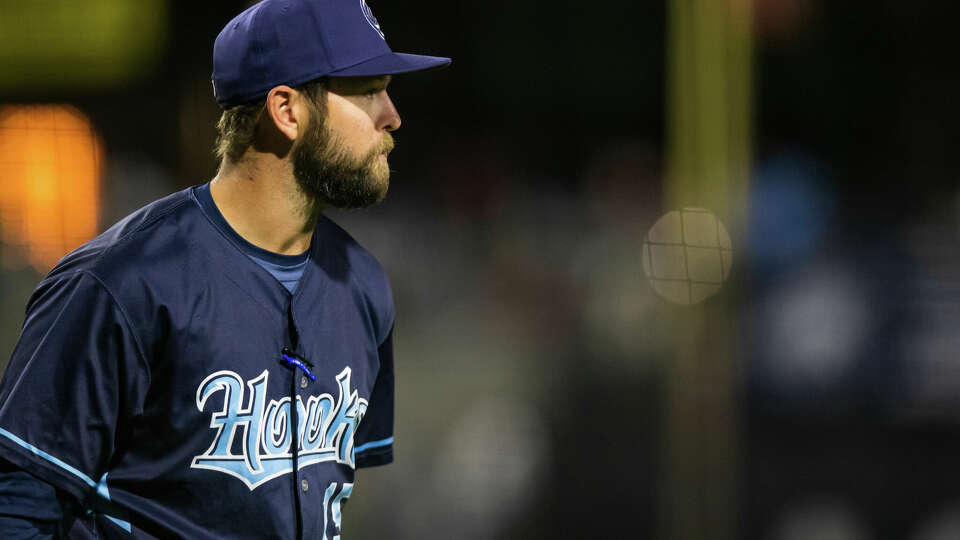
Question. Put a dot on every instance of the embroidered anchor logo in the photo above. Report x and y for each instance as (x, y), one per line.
(368, 13)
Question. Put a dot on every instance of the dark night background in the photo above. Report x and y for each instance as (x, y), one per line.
(531, 348)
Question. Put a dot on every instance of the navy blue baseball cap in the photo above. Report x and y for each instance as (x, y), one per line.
(294, 41)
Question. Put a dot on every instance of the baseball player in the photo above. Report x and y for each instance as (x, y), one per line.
(218, 363)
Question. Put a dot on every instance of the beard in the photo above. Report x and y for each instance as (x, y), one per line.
(328, 174)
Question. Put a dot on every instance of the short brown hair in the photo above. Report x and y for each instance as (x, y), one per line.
(237, 126)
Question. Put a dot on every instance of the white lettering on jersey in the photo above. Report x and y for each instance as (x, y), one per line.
(325, 428)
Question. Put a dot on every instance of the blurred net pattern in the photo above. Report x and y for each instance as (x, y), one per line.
(687, 255)
(50, 162)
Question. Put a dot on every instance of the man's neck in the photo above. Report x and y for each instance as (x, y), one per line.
(262, 203)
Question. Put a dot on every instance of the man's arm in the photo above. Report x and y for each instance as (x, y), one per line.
(29, 507)
(374, 438)
(74, 381)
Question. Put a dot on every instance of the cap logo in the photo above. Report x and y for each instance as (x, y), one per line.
(371, 19)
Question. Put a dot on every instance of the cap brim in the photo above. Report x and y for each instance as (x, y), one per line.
(390, 64)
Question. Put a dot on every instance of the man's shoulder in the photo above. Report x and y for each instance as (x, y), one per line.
(362, 264)
(360, 268)
(134, 240)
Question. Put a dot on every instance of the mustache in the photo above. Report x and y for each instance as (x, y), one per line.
(386, 146)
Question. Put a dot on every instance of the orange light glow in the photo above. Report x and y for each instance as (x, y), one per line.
(51, 161)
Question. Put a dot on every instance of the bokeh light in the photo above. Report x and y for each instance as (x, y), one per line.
(821, 518)
(50, 161)
(64, 44)
(944, 524)
(687, 255)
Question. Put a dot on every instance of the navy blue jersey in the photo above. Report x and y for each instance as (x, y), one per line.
(175, 388)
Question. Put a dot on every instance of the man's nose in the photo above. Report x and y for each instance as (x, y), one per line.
(389, 117)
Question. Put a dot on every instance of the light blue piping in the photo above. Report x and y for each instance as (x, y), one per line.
(373, 444)
(101, 486)
(56, 461)
(105, 493)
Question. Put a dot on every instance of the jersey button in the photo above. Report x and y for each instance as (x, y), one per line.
(304, 485)
(303, 381)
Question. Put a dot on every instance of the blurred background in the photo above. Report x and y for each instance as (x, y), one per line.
(683, 269)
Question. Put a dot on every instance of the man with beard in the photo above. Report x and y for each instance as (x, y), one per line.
(218, 363)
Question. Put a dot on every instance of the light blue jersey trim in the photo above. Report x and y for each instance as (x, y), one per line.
(52, 459)
(373, 444)
(125, 525)
(105, 493)
(100, 486)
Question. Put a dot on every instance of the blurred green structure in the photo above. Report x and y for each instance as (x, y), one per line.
(710, 76)
(67, 45)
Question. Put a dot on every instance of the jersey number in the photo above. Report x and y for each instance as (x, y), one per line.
(334, 506)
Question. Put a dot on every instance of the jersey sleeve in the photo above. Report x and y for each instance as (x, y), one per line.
(374, 441)
(29, 507)
(76, 378)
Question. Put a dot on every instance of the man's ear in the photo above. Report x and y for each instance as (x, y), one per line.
(285, 107)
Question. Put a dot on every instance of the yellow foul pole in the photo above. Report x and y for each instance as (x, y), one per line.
(709, 87)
